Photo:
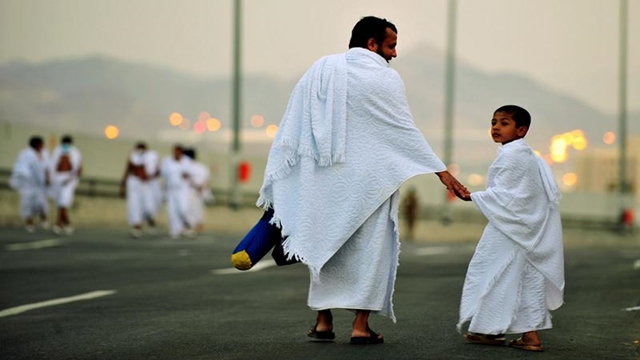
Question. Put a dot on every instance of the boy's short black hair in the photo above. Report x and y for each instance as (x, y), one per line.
(370, 27)
(518, 114)
(35, 141)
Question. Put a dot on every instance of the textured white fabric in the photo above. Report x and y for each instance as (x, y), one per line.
(63, 183)
(322, 199)
(523, 238)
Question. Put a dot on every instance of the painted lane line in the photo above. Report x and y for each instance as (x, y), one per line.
(635, 308)
(257, 267)
(636, 265)
(35, 245)
(432, 251)
(88, 296)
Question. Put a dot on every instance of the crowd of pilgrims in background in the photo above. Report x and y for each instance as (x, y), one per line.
(179, 180)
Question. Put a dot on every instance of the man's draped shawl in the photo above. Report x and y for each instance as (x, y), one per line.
(320, 194)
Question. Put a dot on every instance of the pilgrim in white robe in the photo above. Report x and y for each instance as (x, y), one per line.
(64, 183)
(141, 205)
(176, 175)
(346, 144)
(199, 191)
(29, 178)
(516, 275)
(154, 196)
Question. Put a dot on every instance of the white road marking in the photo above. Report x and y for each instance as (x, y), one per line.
(636, 265)
(635, 308)
(88, 296)
(35, 245)
(432, 251)
(257, 267)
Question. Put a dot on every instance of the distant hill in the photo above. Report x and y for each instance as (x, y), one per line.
(86, 94)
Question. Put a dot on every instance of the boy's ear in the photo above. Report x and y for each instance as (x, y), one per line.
(522, 131)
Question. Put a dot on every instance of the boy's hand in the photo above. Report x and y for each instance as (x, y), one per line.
(454, 185)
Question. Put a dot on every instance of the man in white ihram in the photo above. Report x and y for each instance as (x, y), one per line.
(65, 168)
(346, 144)
(31, 179)
(176, 173)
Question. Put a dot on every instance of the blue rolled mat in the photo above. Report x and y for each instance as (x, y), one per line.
(256, 244)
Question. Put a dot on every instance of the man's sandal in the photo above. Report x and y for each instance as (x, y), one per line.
(485, 339)
(320, 336)
(519, 344)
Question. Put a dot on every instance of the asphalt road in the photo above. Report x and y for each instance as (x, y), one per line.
(100, 295)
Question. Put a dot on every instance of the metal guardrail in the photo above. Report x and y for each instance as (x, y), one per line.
(109, 188)
(96, 187)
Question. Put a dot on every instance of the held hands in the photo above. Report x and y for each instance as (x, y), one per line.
(454, 185)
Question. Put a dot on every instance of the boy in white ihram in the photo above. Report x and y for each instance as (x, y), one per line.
(516, 275)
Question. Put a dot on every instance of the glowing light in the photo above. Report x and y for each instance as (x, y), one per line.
(578, 140)
(200, 127)
(111, 132)
(175, 119)
(538, 153)
(454, 169)
(204, 116)
(185, 124)
(558, 149)
(609, 137)
(570, 179)
(475, 179)
(213, 124)
(257, 120)
(271, 130)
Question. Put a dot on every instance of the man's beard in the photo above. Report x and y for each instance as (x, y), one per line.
(379, 52)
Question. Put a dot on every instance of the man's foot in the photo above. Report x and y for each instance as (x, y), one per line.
(316, 335)
(521, 344)
(69, 230)
(45, 225)
(485, 339)
(30, 228)
(370, 338)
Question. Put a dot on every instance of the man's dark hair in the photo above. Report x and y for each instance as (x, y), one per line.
(67, 139)
(518, 114)
(141, 145)
(35, 141)
(370, 27)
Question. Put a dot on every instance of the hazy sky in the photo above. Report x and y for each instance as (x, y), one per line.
(569, 45)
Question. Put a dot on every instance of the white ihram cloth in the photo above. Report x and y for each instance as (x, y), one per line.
(177, 192)
(345, 145)
(151, 161)
(141, 201)
(28, 177)
(198, 191)
(516, 274)
(63, 183)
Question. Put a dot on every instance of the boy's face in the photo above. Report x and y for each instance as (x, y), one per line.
(504, 130)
